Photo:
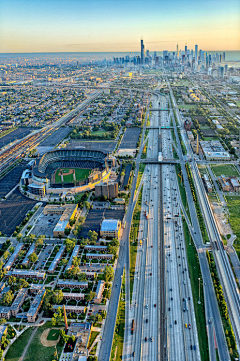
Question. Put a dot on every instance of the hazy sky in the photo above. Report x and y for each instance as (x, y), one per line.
(113, 25)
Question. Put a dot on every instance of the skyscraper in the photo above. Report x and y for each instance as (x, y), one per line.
(177, 52)
(224, 55)
(142, 52)
(185, 51)
(196, 53)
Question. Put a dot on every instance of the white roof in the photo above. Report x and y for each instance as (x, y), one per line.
(109, 225)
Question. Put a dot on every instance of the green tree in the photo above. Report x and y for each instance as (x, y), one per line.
(108, 274)
(2, 321)
(57, 317)
(90, 296)
(69, 245)
(93, 236)
(7, 298)
(33, 257)
(57, 297)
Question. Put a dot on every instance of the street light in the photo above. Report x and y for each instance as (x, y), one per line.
(199, 302)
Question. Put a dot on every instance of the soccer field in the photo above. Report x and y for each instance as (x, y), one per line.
(68, 173)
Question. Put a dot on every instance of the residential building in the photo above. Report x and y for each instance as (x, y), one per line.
(99, 291)
(36, 305)
(72, 284)
(57, 259)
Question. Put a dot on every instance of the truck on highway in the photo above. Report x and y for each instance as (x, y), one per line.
(132, 329)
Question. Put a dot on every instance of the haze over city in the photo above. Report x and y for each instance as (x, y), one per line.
(90, 26)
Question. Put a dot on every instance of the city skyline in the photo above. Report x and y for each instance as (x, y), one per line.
(77, 26)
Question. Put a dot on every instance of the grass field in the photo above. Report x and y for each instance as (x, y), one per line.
(99, 132)
(80, 173)
(93, 337)
(186, 106)
(233, 204)
(195, 273)
(238, 103)
(224, 169)
(53, 335)
(16, 350)
(37, 352)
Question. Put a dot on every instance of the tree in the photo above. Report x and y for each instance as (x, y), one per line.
(93, 236)
(12, 280)
(57, 317)
(23, 283)
(19, 237)
(31, 238)
(82, 277)
(87, 205)
(2, 321)
(4, 341)
(64, 337)
(76, 261)
(90, 296)
(108, 274)
(63, 261)
(69, 245)
(7, 298)
(33, 257)
(57, 297)
(40, 240)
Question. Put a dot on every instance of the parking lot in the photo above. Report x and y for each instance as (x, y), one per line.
(45, 225)
(95, 217)
(130, 138)
(56, 137)
(15, 135)
(101, 145)
(13, 210)
(41, 257)
(11, 179)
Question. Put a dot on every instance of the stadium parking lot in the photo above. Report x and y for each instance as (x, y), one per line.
(56, 137)
(11, 179)
(130, 138)
(104, 146)
(15, 135)
(13, 210)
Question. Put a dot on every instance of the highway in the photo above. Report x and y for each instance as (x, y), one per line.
(215, 328)
(146, 341)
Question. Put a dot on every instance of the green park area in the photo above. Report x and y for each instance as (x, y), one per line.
(238, 103)
(98, 133)
(16, 350)
(187, 106)
(53, 335)
(224, 169)
(233, 204)
(67, 173)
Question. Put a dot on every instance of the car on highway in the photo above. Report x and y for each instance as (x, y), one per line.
(155, 305)
(151, 339)
(194, 347)
(189, 326)
(145, 339)
(117, 285)
(147, 306)
(146, 320)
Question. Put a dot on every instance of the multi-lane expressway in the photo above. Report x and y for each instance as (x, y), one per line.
(158, 227)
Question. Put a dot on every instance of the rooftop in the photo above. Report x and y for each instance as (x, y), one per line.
(109, 225)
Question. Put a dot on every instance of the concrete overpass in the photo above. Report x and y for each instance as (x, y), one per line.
(156, 161)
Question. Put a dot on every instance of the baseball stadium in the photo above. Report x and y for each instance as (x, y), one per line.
(66, 169)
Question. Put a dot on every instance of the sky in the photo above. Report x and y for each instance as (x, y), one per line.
(113, 25)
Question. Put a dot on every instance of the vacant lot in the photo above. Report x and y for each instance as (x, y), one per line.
(224, 169)
(187, 106)
(67, 173)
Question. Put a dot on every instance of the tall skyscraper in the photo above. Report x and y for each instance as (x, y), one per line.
(177, 52)
(142, 52)
(185, 51)
(196, 53)
(224, 55)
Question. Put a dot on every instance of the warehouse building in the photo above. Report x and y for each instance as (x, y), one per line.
(110, 228)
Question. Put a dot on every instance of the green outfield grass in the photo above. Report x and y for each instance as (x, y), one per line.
(233, 204)
(81, 174)
(224, 169)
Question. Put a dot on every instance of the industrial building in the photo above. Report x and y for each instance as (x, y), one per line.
(213, 150)
(110, 228)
